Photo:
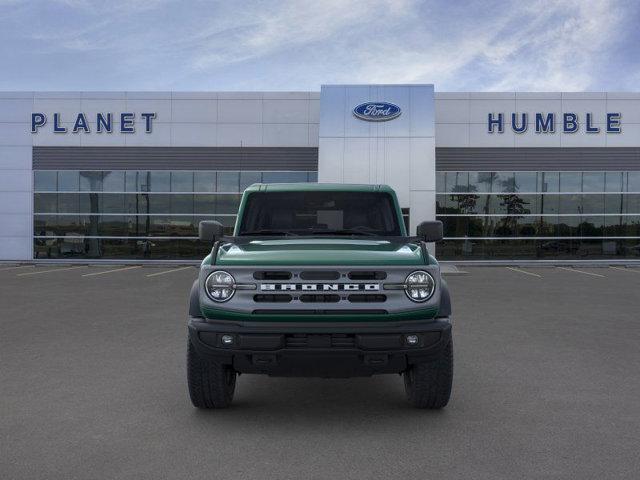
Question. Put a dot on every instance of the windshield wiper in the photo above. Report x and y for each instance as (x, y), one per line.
(266, 231)
(345, 231)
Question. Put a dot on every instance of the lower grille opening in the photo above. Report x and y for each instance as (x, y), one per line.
(320, 341)
(363, 298)
(319, 298)
(272, 298)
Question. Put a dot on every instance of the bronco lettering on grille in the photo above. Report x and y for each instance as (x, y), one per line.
(320, 287)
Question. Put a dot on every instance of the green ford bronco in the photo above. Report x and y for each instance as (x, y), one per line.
(319, 280)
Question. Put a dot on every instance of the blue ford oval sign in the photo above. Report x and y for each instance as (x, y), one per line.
(377, 111)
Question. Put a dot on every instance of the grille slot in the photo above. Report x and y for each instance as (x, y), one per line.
(364, 298)
(319, 298)
(367, 275)
(272, 275)
(272, 298)
(320, 275)
(320, 341)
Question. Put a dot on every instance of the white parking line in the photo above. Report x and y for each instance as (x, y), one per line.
(168, 271)
(522, 271)
(50, 271)
(111, 271)
(632, 270)
(581, 271)
(15, 268)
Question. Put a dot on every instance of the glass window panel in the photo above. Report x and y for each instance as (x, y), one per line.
(455, 226)
(591, 226)
(45, 225)
(441, 203)
(204, 181)
(113, 203)
(475, 227)
(484, 204)
(182, 181)
(549, 204)
(135, 203)
(498, 204)
(113, 181)
(113, 226)
(549, 182)
(517, 204)
(45, 181)
(614, 226)
(633, 182)
(440, 181)
(613, 182)
(613, 203)
(68, 181)
(569, 226)
(90, 181)
(204, 204)
(631, 203)
(526, 182)
(45, 203)
(313, 177)
(593, 181)
(592, 203)
(527, 226)
(159, 181)
(227, 204)
(228, 182)
(480, 181)
(457, 182)
(548, 226)
(570, 203)
(68, 203)
(91, 203)
(181, 204)
(504, 226)
(504, 182)
(469, 203)
(135, 181)
(158, 203)
(249, 178)
(571, 181)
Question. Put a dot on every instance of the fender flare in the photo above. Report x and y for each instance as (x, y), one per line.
(445, 301)
(194, 301)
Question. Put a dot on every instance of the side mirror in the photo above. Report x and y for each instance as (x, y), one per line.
(210, 231)
(430, 231)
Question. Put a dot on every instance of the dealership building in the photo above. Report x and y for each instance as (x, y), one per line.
(128, 175)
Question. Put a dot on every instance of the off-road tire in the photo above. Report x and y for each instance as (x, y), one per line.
(211, 384)
(428, 384)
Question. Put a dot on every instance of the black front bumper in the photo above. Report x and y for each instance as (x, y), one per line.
(319, 350)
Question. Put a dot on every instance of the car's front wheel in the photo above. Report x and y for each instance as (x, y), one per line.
(428, 384)
(211, 384)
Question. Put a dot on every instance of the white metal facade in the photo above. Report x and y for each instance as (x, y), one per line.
(400, 152)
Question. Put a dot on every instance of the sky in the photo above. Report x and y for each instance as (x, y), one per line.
(183, 45)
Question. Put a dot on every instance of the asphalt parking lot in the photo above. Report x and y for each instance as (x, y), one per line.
(93, 386)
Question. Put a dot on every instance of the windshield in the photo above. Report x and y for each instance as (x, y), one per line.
(320, 213)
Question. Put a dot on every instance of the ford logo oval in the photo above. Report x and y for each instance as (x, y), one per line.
(377, 111)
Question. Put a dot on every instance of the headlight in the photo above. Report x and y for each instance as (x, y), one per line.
(220, 286)
(419, 286)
